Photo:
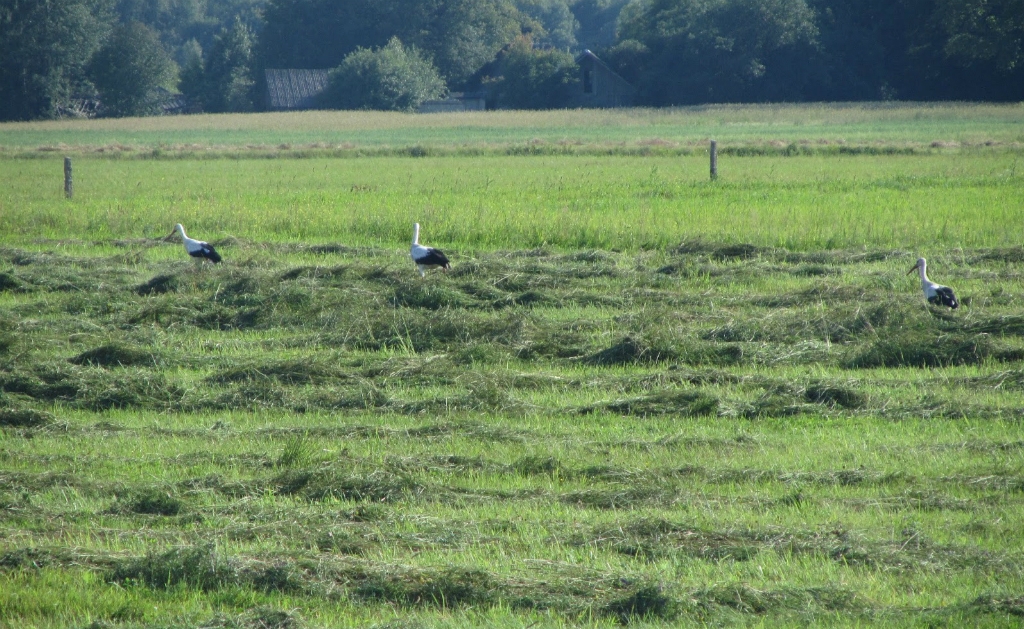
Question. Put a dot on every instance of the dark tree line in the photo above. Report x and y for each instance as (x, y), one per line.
(696, 51)
(57, 54)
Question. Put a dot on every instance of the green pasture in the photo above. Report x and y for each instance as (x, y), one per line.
(638, 398)
(812, 126)
(921, 202)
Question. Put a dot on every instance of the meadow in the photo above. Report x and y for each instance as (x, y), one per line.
(639, 397)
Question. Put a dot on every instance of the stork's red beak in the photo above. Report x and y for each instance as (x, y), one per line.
(914, 268)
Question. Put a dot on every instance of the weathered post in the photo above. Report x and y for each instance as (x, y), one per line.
(714, 160)
(68, 187)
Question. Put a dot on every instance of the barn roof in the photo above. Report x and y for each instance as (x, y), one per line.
(294, 89)
(587, 55)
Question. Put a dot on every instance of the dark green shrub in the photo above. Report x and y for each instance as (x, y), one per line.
(393, 78)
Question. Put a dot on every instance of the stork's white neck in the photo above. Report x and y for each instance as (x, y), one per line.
(921, 269)
(181, 230)
(416, 234)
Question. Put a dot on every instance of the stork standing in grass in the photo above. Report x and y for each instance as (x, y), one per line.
(426, 257)
(935, 293)
(197, 248)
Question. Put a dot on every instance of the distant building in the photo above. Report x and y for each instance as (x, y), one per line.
(294, 89)
(600, 86)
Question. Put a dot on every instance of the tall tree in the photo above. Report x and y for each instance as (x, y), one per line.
(458, 36)
(556, 26)
(598, 21)
(227, 77)
(180, 21)
(129, 68)
(317, 33)
(393, 78)
(192, 77)
(858, 58)
(983, 31)
(531, 78)
(720, 50)
(44, 48)
(984, 41)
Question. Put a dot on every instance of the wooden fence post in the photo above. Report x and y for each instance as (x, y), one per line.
(68, 187)
(714, 160)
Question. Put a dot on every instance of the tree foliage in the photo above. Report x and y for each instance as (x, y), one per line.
(128, 69)
(532, 78)
(392, 77)
(458, 36)
(45, 46)
(181, 21)
(980, 31)
(550, 23)
(718, 50)
(222, 80)
(598, 22)
(673, 51)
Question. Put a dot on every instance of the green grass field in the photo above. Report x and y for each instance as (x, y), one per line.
(822, 127)
(921, 202)
(638, 398)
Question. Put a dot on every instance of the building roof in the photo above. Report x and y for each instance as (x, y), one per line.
(294, 89)
(587, 55)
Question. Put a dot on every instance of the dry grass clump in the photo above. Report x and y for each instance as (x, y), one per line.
(923, 349)
(33, 558)
(682, 403)
(646, 603)
(430, 297)
(748, 600)
(631, 351)
(1004, 606)
(114, 355)
(721, 251)
(330, 483)
(24, 418)
(442, 588)
(651, 494)
(833, 395)
(128, 388)
(158, 285)
(259, 617)
(10, 282)
(294, 372)
(149, 502)
(200, 567)
(92, 388)
(1006, 325)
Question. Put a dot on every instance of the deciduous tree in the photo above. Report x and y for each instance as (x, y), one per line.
(531, 78)
(228, 71)
(392, 78)
(44, 48)
(458, 36)
(128, 69)
(719, 50)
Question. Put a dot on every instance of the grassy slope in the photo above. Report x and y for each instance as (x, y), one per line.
(583, 423)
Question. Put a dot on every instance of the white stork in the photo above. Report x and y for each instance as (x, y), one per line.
(426, 257)
(197, 248)
(935, 293)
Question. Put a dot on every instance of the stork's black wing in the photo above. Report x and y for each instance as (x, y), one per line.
(944, 296)
(207, 251)
(433, 257)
